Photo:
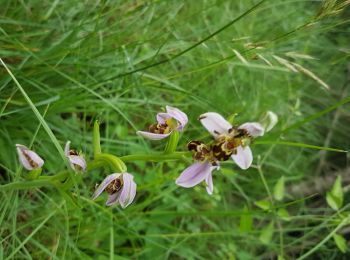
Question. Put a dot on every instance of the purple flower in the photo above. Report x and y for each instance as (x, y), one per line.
(173, 119)
(120, 187)
(233, 141)
(77, 162)
(196, 173)
(29, 159)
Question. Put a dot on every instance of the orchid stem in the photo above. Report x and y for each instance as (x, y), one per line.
(172, 142)
(155, 157)
(22, 185)
(114, 162)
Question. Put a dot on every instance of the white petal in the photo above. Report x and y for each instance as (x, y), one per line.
(215, 123)
(67, 148)
(128, 191)
(244, 157)
(113, 199)
(269, 121)
(180, 116)
(24, 154)
(194, 174)
(77, 160)
(104, 184)
(152, 136)
(209, 182)
(162, 117)
(253, 128)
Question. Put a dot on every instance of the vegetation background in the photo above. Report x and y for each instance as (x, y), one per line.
(123, 61)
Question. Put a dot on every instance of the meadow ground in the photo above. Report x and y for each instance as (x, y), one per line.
(70, 63)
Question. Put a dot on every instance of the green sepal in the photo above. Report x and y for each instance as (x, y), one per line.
(33, 174)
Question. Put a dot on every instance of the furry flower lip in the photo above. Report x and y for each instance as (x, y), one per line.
(201, 169)
(76, 161)
(231, 141)
(173, 119)
(28, 158)
(120, 187)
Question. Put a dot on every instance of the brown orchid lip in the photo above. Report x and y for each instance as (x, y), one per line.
(115, 186)
(159, 128)
(29, 159)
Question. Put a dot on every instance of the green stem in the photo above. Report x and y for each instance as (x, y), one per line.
(172, 142)
(155, 157)
(300, 145)
(22, 185)
(96, 139)
(329, 236)
(116, 164)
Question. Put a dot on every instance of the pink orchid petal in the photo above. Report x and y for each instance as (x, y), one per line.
(67, 148)
(152, 136)
(104, 184)
(193, 174)
(77, 160)
(253, 128)
(21, 149)
(215, 123)
(162, 117)
(210, 186)
(113, 199)
(128, 191)
(180, 116)
(244, 157)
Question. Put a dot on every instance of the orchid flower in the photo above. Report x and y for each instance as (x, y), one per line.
(29, 159)
(120, 187)
(232, 141)
(77, 162)
(173, 119)
(201, 169)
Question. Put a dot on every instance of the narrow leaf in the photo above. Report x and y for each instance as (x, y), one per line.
(278, 191)
(263, 204)
(340, 242)
(266, 233)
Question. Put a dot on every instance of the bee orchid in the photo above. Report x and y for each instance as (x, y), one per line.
(120, 187)
(76, 161)
(201, 169)
(173, 119)
(29, 159)
(231, 141)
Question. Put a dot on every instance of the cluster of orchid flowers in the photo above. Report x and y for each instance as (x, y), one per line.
(228, 142)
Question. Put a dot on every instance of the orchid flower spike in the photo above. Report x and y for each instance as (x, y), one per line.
(77, 162)
(201, 169)
(120, 187)
(29, 159)
(231, 141)
(173, 119)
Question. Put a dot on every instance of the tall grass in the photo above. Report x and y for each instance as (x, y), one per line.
(120, 62)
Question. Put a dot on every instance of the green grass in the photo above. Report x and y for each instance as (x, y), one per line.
(120, 62)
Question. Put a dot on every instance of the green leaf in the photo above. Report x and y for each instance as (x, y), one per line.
(337, 190)
(335, 197)
(340, 242)
(283, 214)
(263, 204)
(246, 221)
(278, 191)
(267, 233)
